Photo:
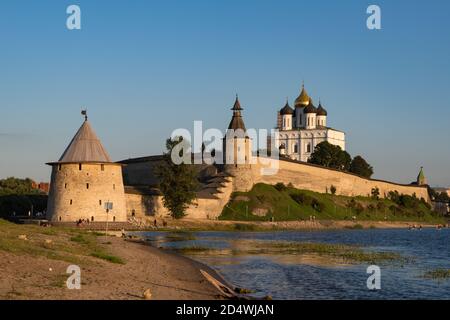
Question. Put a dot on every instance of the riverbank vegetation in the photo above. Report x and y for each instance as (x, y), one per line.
(285, 203)
(438, 274)
(340, 253)
(63, 244)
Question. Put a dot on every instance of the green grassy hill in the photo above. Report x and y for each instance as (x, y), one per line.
(287, 203)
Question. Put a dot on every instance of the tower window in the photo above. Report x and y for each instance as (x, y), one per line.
(87, 185)
(92, 218)
(102, 166)
(100, 202)
(71, 201)
(79, 166)
(59, 167)
(114, 187)
(65, 185)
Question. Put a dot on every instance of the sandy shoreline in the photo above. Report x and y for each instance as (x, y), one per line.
(168, 276)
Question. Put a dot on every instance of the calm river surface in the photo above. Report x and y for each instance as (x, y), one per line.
(287, 276)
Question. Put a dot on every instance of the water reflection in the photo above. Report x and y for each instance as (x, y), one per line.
(312, 276)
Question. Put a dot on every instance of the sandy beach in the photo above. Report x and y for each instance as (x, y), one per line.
(168, 276)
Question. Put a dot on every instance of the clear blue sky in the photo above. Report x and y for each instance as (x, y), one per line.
(144, 68)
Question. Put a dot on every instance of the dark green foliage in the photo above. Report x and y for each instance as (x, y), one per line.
(280, 186)
(22, 204)
(17, 186)
(177, 182)
(442, 197)
(375, 193)
(333, 189)
(330, 156)
(360, 167)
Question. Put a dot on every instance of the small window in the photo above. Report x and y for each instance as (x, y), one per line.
(92, 218)
(59, 167)
(133, 213)
(102, 166)
(114, 187)
(114, 219)
(87, 185)
(71, 201)
(80, 166)
(100, 202)
(65, 185)
(59, 218)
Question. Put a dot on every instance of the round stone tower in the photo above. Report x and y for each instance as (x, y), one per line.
(84, 180)
(237, 151)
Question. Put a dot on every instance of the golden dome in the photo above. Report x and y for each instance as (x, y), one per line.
(303, 98)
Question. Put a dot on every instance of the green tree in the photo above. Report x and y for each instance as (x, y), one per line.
(177, 182)
(360, 167)
(375, 193)
(333, 189)
(330, 156)
(15, 186)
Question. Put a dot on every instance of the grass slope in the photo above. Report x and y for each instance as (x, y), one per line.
(65, 244)
(285, 204)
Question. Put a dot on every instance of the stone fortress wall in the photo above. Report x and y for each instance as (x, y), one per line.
(319, 179)
(301, 175)
(81, 194)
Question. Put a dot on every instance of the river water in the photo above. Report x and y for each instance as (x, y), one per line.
(287, 276)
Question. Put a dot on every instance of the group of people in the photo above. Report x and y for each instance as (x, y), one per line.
(81, 222)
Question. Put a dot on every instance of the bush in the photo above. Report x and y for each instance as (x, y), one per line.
(317, 205)
(302, 198)
(280, 186)
(333, 189)
(375, 193)
(381, 206)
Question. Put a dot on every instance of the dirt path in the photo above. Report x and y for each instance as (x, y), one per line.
(168, 276)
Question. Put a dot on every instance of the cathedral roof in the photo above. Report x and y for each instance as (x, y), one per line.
(85, 147)
(310, 108)
(321, 110)
(303, 99)
(286, 109)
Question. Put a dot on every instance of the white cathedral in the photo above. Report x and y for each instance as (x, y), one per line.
(302, 128)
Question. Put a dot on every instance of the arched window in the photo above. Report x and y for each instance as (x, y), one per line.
(308, 147)
(295, 148)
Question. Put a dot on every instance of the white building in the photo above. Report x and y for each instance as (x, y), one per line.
(302, 128)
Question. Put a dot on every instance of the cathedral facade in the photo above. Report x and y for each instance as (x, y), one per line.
(302, 128)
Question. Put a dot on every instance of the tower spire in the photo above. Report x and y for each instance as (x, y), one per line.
(84, 113)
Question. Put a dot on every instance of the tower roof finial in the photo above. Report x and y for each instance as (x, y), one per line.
(84, 113)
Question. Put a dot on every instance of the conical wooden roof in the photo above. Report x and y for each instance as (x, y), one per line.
(85, 147)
